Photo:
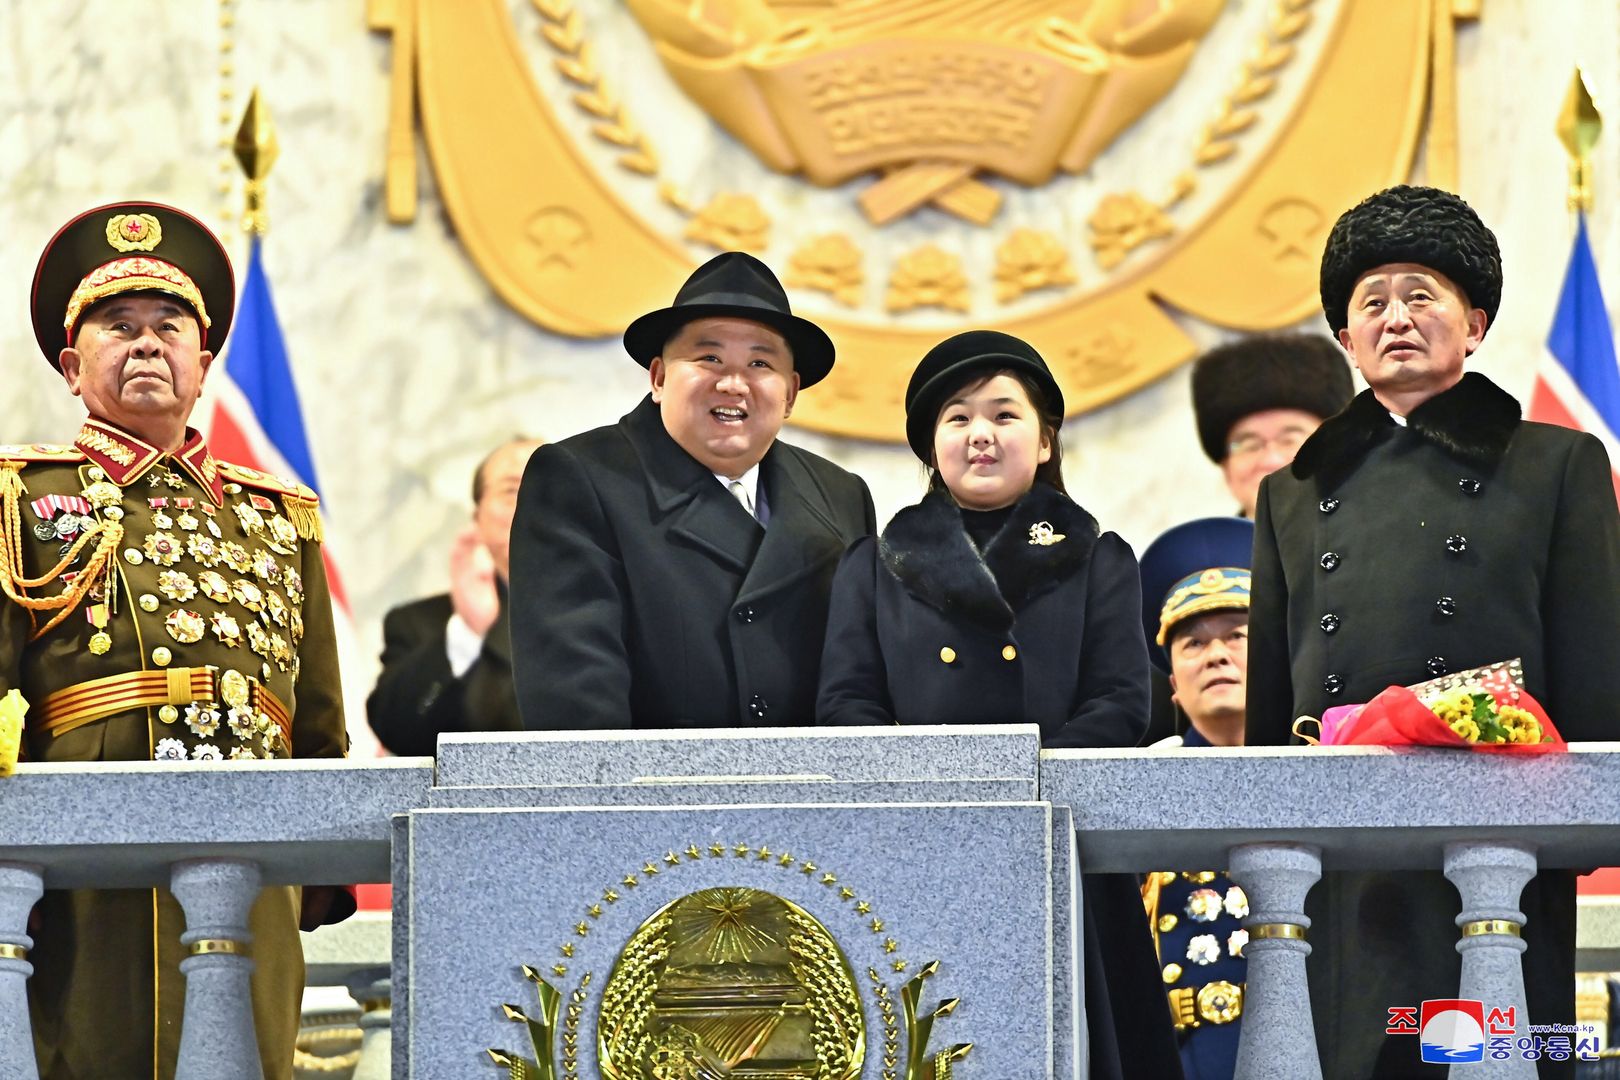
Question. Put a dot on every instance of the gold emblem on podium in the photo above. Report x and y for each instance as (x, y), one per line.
(731, 983)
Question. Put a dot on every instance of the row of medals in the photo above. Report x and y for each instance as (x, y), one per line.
(203, 541)
(1205, 906)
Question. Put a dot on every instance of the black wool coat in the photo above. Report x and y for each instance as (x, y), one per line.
(643, 595)
(1388, 555)
(926, 629)
(418, 697)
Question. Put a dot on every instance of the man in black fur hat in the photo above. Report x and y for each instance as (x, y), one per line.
(1424, 530)
(1258, 398)
(673, 569)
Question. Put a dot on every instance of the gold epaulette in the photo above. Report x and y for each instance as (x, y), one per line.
(40, 452)
(301, 502)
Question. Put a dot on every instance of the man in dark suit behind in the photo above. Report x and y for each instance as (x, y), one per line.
(673, 569)
(447, 659)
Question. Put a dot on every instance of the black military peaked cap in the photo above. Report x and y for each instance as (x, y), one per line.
(131, 247)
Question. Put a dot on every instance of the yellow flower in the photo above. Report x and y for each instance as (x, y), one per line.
(1465, 727)
(1521, 726)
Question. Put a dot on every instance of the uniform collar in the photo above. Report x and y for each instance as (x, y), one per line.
(1472, 421)
(125, 458)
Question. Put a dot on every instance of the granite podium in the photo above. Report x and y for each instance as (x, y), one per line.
(877, 904)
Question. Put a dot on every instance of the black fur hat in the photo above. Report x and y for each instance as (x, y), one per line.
(1407, 224)
(1266, 371)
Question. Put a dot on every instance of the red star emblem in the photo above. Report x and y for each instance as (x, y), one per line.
(134, 227)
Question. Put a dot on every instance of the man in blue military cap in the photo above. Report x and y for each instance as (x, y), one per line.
(1195, 590)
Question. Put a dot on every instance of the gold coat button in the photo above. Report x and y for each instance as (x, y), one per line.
(148, 602)
(133, 556)
(947, 655)
(1167, 923)
(1009, 653)
(161, 656)
(168, 714)
(1172, 972)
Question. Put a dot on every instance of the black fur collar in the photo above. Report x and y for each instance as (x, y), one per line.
(927, 548)
(1473, 421)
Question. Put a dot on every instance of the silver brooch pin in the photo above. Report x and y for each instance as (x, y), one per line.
(1041, 534)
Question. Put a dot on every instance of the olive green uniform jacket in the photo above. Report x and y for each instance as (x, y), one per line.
(182, 562)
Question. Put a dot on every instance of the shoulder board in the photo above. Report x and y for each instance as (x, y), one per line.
(41, 452)
(281, 485)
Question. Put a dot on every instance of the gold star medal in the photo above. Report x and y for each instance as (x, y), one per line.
(186, 627)
(100, 642)
(227, 629)
(162, 548)
(247, 594)
(176, 585)
(214, 586)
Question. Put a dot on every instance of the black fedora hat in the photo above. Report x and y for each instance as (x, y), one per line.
(734, 285)
(131, 247)
(949, 362)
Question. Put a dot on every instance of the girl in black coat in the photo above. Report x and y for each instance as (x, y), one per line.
(995, 600)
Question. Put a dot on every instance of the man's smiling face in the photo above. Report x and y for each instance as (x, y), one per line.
(724, 387)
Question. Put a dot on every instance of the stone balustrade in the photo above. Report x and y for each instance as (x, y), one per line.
(1488, 821)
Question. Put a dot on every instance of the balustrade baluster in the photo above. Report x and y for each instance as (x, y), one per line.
(217, 1039)
(1278, 1039)
(21, 885)
(1491, 878)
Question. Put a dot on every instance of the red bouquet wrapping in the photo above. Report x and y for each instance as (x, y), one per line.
(1483, 708)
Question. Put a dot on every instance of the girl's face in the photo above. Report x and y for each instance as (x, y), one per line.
(988, 443)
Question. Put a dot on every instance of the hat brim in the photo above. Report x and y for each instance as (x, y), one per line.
(922, 412)
(812, 349)
(80, 246)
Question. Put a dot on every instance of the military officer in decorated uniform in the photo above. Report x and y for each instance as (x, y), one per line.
(1424, 530)
(158, 604)
(1195, 608)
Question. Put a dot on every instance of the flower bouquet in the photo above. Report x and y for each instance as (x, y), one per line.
(1485, 708)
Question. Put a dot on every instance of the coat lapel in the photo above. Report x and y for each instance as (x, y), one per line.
(802, 533)
(700, 512)
(1473, 421)
(927, 549)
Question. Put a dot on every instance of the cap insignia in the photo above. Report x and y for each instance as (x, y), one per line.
(134, 232)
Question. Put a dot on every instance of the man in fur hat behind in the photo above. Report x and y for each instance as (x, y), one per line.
(1424, 530)
(1258, 398)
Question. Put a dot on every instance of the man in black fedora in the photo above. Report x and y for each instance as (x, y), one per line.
(673, 569)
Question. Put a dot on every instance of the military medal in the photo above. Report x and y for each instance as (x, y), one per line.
(186, 627)
(169, 750)
(252, 521)
(206, 752)
(203, 548)
(234, 689)
(176, 585)
(103, 494)
(209, 511)
(247, 594)
(236, 557)
(202, 719)
(45, 531)
(162, 548)
(266, 568)
(214, 586)
(173, 480)
(293, 581)
(100, 641)
(279, 651)
(261, 502)
(186, 522)
(1203, 949)
(1204, 905)
(227, 629)
(258, 639)
(283, 537)
(275, 607)
(297, 625)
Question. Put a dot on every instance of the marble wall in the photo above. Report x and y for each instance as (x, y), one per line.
(410, 367)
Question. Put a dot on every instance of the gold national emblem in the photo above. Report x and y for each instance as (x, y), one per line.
(134, 232)
(731, 982)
